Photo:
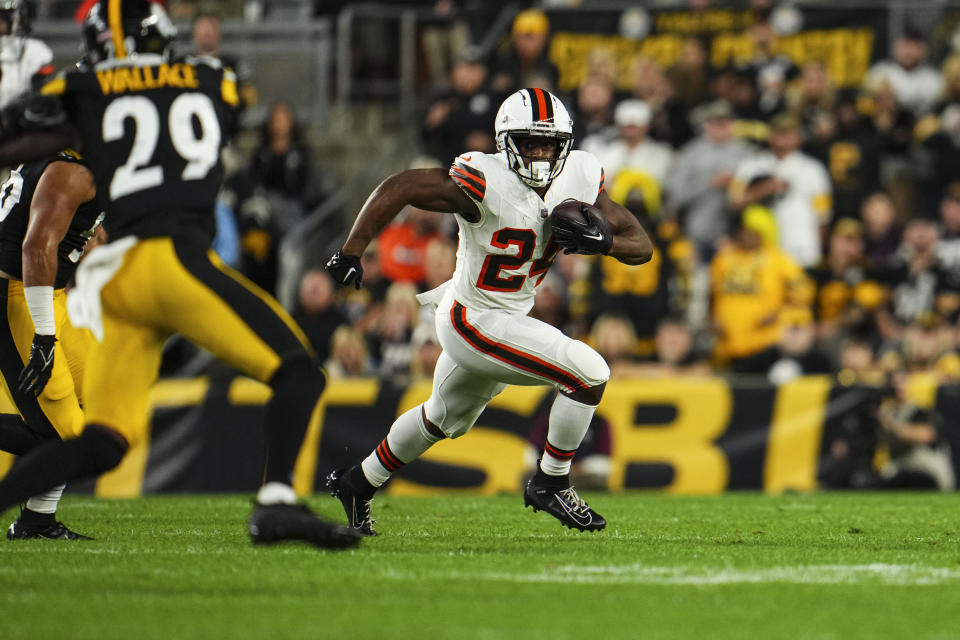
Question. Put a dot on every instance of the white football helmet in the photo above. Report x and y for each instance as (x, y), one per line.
(534, 113)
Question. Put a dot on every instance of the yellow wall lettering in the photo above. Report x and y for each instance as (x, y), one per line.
(793, 446)
(499, 454)
(703, 409)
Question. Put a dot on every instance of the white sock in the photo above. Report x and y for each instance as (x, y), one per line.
(407, 440)
(569, 421)
(47, 501)
(276, 493)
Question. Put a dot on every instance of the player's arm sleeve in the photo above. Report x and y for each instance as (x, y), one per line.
(467, 173)
(42, 67)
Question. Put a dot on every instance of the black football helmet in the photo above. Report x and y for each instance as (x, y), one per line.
(16, 16)
(122, 28)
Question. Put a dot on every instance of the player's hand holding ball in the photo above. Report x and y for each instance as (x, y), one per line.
(345, 269)
(579, 227)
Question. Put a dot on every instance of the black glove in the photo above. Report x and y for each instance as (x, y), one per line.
(36, 374)
(593, 237)
(31, 112)
(345, 269)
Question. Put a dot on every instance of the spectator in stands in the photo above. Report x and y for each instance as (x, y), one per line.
(773, 71)
(349, 357)
(696, 183)
(752, 282)
(852, 152)
(316, 311)
(893, 122)
(919, 455)
(928, 346)
(550, 303)
(812, 96)
(917, 278)
(593, 112)
(675, 354)
(403, 245)
(283, 166)
(938, 157)
(425, 347)
(630, 148)
(613, 338)
(846, 293)
(856, 364)
(440, 259)
(689, 73)
(915, 83)
(668, 121)
(882, 232)
(207, 41)
(460, 117)
(794, 185)
(795, 354)
(390, 340)
(526, 63)
(648, 294)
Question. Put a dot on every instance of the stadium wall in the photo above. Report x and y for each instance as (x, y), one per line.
(698, 436)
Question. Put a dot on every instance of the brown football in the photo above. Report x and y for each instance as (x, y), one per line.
(570, 209)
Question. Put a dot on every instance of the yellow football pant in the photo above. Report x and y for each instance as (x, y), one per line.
(166, 286)
(56, 411)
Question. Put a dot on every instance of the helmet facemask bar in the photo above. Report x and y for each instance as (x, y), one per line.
(535, 171)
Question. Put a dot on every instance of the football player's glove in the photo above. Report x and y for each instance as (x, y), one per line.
(591, 236)
(30, 112)
(36, 373)
(345, 269)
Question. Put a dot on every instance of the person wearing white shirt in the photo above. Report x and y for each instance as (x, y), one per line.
(630, 148)
(794, 185)
(916, 85)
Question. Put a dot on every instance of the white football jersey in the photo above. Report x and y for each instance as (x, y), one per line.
(20, 60)
(504, 256)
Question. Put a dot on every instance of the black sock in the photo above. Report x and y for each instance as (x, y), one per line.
(297, 386)
(15, 436)
(98, 449)
(542, 479)
(34, 519)
(359, 483)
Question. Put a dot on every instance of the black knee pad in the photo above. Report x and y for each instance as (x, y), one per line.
(303, 370)
(104, 447)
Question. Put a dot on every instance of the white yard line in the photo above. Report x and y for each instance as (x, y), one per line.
(877, 573)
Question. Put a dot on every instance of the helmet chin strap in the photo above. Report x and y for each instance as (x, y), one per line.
(540, 171)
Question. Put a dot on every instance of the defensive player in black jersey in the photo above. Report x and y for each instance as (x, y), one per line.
(152, 129)
(48, 211)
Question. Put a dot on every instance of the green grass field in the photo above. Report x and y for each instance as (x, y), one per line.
(734, 566)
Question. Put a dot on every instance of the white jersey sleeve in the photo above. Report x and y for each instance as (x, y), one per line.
(475, 174)
(21, 59)
(581, 179)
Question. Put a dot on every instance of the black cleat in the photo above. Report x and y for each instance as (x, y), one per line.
(356, 506)
(56, 531)
(271, 523)
(564, 505)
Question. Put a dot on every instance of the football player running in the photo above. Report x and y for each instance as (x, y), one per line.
(507, 242)
(48, 211)
(152, 128)
(25, 62)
